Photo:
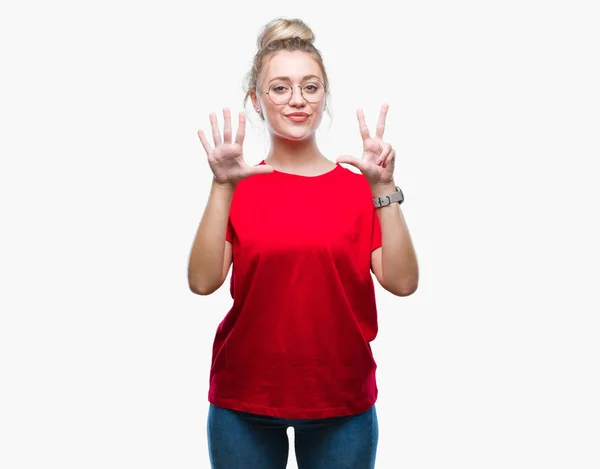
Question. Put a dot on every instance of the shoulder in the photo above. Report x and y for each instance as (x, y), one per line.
(251, 182)
(352, 172)
(355, 177)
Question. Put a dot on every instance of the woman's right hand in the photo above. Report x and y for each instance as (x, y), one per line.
(226, 160)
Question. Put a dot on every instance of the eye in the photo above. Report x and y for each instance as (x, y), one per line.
(312, 87)
(279, 88)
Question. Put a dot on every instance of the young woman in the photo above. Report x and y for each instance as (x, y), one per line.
(302, 234)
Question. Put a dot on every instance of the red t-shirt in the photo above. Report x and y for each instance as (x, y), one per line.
(296, 341)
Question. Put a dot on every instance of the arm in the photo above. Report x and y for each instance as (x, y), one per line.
(395, 262)
(210, 256)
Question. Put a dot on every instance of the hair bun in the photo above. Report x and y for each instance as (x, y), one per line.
(284, 28)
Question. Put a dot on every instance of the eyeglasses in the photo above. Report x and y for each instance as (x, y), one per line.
(281, 93)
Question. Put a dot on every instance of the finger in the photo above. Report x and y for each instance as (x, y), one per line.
(387, 148)
(226, 125)
(241, 131)
(204, 141)
(364, 130)
(351, 160)
(389, 158)
(215, 128)
(261, 169)
(381, 123)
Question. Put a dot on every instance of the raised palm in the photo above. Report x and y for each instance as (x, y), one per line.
(226, 160)
(377, 163)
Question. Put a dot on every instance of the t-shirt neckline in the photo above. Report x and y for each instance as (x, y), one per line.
(331, 171)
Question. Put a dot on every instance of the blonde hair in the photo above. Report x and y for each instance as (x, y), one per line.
(282, 34)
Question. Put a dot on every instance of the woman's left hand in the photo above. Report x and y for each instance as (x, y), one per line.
(378, 160)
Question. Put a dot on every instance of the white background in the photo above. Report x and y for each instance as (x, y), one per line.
(494, 112)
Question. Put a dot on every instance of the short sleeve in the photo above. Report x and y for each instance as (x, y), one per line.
(229, 233)
(376, 231)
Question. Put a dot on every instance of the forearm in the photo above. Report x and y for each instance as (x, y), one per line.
(207, 254)
(398, 258)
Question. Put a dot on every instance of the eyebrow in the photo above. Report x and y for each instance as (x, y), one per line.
(289, 79)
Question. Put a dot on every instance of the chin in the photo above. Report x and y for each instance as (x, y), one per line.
(302, 136)
(296, 136)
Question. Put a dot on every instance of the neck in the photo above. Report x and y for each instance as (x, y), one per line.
(293, 155)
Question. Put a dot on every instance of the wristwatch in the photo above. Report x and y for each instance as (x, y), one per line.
(397, 196)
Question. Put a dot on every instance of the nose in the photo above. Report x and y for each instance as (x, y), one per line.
(297, 99)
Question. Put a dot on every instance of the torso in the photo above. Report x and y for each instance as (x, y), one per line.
(296, 340)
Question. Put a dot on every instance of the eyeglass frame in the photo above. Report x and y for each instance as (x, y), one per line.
(292, 94)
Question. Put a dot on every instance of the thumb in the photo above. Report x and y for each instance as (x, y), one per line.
(350, 160)
(261, 169)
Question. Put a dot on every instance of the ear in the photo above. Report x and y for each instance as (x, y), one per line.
(254, 98)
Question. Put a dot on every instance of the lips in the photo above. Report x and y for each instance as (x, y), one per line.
(298, 116)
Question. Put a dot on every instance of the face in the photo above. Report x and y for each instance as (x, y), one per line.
(295, 66)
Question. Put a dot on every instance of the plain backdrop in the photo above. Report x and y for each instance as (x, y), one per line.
(105, 352)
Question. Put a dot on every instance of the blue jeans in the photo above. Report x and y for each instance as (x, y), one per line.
(241, 440)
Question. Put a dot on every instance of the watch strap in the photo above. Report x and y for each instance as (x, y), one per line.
(388, 199)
